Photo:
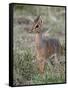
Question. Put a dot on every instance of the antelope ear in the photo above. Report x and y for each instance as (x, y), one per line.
(41, 19)
(37, 19)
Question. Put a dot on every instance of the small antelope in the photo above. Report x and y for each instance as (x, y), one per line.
(45, 47)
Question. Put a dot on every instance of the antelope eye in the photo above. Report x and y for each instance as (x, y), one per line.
(37, 26)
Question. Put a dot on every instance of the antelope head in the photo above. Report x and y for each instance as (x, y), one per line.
(37, 25)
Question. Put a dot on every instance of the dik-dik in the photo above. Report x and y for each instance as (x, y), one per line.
(45, 47)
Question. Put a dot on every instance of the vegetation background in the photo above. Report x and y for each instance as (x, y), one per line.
(25, 68)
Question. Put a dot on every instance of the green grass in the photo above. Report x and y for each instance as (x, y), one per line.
(27, 72)
(48, 77)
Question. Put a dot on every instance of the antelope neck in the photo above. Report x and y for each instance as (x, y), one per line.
(38, 39)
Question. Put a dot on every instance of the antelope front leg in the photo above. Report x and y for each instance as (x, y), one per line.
(41, 66)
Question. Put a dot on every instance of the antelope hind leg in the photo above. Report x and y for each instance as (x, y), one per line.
(57, 63)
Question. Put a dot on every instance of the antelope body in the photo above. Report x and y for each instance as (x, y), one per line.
(45, 47)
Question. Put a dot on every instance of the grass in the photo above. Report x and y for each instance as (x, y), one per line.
(25, 70)
(49, 77)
